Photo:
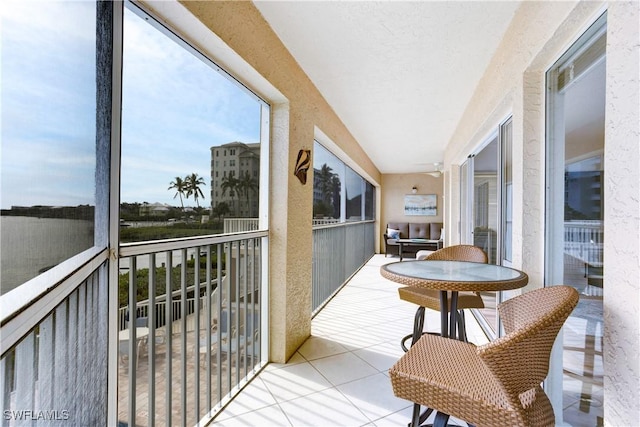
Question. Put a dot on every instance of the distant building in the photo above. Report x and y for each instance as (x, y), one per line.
(235, 159)
(154, 209)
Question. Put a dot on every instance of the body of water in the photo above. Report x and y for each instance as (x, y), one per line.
(31, 245)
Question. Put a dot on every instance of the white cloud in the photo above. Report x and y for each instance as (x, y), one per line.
(48, 103)
(175, 107)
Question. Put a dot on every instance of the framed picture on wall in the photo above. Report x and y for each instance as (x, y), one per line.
(420, 204)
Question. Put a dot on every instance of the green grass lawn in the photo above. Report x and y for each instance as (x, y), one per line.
(142, 234)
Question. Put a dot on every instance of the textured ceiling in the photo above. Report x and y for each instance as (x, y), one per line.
(398, 74)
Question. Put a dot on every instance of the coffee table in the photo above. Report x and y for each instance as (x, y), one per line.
(428, 244)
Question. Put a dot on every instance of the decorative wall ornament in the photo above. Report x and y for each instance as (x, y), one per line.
(302, 165)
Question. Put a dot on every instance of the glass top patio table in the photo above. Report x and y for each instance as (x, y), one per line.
(454, 275)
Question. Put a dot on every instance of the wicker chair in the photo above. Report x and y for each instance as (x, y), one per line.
(429, 298)
(497, 384)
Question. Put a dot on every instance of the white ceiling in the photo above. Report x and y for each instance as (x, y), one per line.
(398, 74)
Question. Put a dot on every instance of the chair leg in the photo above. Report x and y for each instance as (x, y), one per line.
(418, 325)
(462, 331)
(441, 420)
(415, 417)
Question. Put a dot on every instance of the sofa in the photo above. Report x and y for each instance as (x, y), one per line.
(409, 230)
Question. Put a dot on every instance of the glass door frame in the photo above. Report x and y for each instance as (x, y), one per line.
(467, 202)
(568, 69)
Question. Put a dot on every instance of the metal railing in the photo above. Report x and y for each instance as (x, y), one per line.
(180, 362)
(584, 241)
(142, 309)
(239, 225)
(338, 252)
(56, 374)
(325, 221)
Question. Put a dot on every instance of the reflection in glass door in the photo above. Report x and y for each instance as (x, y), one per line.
(574, 222)
(485, 221)
(485, 200)
(485, 215)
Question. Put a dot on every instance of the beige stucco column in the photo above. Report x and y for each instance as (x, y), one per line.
(241, 28)
(290, 237)
(248, 48)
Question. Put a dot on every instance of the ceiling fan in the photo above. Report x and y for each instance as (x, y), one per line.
(437, 172)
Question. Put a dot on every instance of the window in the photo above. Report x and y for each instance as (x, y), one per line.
(339, 193)
(48, 136)
(369, 201)
(328, 172)
(354, 187)
(166, 162)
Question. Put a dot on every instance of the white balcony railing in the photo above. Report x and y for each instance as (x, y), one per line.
(339, 250)
(583, 240)
(239, 225)
(180, 362)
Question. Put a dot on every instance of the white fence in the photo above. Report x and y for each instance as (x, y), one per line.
(239, 225)
(584, 240)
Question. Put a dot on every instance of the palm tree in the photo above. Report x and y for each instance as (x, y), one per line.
(247, 185)
(335, 194)
(326, 182)
(220, 210)
(193, 183)
(180, 186)
(230, 183)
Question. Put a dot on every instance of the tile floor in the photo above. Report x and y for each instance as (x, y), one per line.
(338, 377)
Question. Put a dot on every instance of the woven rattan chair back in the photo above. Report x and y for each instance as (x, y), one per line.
(459, 253)
(520, 359)
(497, 384)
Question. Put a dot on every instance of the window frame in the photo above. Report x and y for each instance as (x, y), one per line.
(22, 308)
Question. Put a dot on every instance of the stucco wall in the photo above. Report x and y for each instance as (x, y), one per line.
(237, 37)
(393, 189)
(622, 217)
(514, 84)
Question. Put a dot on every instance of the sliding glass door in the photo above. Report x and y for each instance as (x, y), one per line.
(486, 209)
(574, 221)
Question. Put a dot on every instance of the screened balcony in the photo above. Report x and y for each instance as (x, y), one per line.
(71, 160)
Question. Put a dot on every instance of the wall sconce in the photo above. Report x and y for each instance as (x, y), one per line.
(414, 190)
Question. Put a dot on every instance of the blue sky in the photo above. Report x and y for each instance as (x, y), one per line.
(48, 131)
(175, 107)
